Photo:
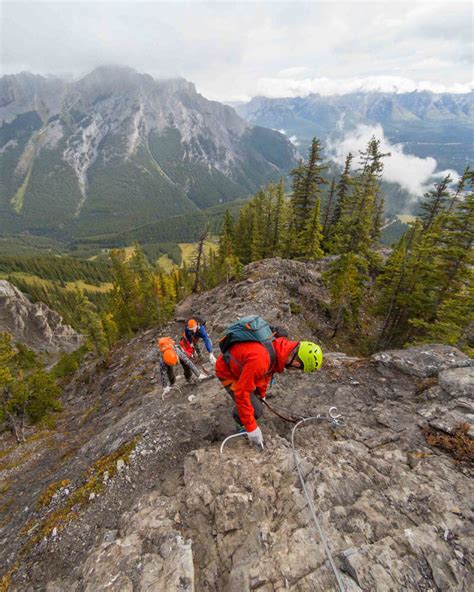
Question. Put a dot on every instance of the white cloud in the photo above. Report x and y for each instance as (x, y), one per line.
(293, 139)
(235, 50)
(412, 173)
(296, 87)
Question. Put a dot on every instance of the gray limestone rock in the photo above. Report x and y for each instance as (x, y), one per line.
(458, 382)
(423, 361)
(35, 325)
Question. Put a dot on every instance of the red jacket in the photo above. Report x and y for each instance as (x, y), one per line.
(249, 371)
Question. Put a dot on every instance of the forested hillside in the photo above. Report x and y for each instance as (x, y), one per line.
(421, 291)
(118, 149)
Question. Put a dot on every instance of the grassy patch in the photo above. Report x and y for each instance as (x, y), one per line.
(5, 581)
(13, 464)
(7, 451)
(406, 218)
(89, 412)
(93, 482)
(295, 308)
(48, 494)
(19, 197)
(32, 279)
(82, 285)
(4, 486)
(165, 263)
(459, 444)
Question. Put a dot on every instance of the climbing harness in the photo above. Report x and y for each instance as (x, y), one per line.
(336, 420)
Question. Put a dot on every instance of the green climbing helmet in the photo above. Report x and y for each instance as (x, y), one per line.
(311, 356)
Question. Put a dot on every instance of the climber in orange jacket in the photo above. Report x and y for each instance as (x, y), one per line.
(249, 370)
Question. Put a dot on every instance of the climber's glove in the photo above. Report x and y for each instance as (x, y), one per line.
(256, 437)
(212, 359)
(202, 376)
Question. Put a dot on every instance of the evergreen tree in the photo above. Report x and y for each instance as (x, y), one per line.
(92, 327)
(378, 219)
(307, 186)
(436, 202)
(279, 220)
(244, 233)
(435, 270)
(392, 284)
(355, 234)
(343, 190)
(27, 392)
(314, 235)
(226, 265)
(226, 238)
(346, 278)
(199, 262)
(459, 189)
(454, 323)
(329, 209)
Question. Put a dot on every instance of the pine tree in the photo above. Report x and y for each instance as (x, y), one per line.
(258, 230)
(329, 209)
(226, 238)
(459, 189)
(110, 328)
(436, 202)
(393, 282)
(279, 219)
(343, 190)
(346, 278)
(314, 235)
(437, 269)
(200, 261)
(307, 186)
(355, 233)
(454, 323)
(27, 391)
(378, 219)
(92, 327)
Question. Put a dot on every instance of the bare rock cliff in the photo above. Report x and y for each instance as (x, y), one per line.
(131, 493)
(35, 325)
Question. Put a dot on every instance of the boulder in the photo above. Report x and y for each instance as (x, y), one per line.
(423, 361)
(458, 382)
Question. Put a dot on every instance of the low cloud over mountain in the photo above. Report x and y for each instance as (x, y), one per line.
(411, 172)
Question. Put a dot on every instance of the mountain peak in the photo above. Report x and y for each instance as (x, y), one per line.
(145, 147)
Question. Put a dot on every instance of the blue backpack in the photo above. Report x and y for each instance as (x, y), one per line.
(251, 328)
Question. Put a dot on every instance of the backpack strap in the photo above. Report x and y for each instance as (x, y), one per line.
(268, 345)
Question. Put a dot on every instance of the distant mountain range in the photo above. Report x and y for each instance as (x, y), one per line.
(438, 125)
(118, 149)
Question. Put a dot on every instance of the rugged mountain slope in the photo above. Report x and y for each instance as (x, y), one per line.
(117, 149)
(131, 493)
(35, 325)
(439, 125)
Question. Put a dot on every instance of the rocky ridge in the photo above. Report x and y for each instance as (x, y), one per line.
(144, 501)
(34, 324)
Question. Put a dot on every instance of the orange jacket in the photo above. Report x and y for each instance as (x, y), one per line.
(249, 370)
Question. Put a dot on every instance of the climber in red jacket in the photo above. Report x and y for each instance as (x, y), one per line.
(250, 369)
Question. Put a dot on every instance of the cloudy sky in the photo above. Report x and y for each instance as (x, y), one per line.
(235, 50)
